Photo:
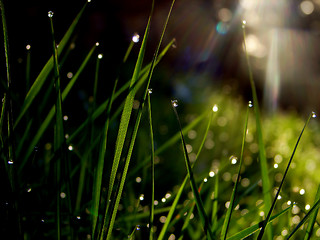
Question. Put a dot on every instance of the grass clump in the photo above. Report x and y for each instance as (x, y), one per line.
(132, 168)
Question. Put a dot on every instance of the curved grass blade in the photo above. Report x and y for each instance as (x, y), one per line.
(251, 230)
(227, 219)
(51, 113)
(43, 75)
(282, 181)
(312, 210)
(202, 213)
(179, 193)
(262, 153)
(313, 218)
(151, 230)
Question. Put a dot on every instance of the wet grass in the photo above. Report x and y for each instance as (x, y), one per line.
(120, 173)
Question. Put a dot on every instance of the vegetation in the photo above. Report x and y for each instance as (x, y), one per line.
(135, 167)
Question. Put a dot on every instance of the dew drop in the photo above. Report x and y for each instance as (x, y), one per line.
(250, 104)
(42, 220)
(135, 38)
(78, 217)
(50, 14)
(150, 90)
(215, 108)
(314, 115)
(70, 148)
(10, 162)
(205, 179)
(138, 227)
(141, 197)
(29, 190)
(100, 56)
(244, 23)
(211, 174)
(174, 103)
(28, 47)
(89, 1)
(97, 44)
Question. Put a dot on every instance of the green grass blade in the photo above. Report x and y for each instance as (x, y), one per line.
(151, 230)
(43, 75)
(266, 187)
(182, 186)
(313, 218)
(314, 209)
(122, 133)
(214, 215)
(99, 169)
(282, 181)
(45, 124)
(227, 219)
(251, 230)
(202, 213)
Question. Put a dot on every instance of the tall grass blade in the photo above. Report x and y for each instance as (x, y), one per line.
(251, 230)
(214, 215)
(262, 153)
(182, 186)
(151, 230)
(313, 219)
(58, 130)
(314, 209)
(227, 219)
(202, 213)
(45, 124)
(100, 166)
(282, 181)
(43, 75)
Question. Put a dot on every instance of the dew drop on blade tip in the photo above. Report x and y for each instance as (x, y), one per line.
(314, 115)
(174, 103)
(250, 104)
(244, 23)
(135, 38)
(50, 14)
(215, 108)
(150, 90)
(10, 162)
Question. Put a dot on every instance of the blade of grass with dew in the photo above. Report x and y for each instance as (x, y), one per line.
(124, 121)
(227, 219)
(58, 129)
(182, 186)
(46, 122)
(262, 153)
(282, 181)
(313, 219)
(135, 130)
(43, 75)
(214, 215)
(202, 213)
(100, 166)
(252, 229)
(143, 75)
(151, 230)
(314, 208)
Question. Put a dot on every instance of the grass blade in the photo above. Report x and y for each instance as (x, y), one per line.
(282, 181)
(313, 218)
(312, 210)
(179, 193)
(251, 230)
(43, 75)
(262, 153)
(203, 216)
(47, 121)
(227, 219)
(151, 230)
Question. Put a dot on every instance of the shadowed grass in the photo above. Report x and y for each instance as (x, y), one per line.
(40, 80)
(313, 219)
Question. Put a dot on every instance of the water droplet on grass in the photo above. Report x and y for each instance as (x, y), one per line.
(28, 47)
(244, 23)
(10, 162)
(50, 14)
(138, 227)
(314, 115)
(174, 103)
(135, 38)
(100, 56)
(215, 108)
(250, 104)
(150, 90)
